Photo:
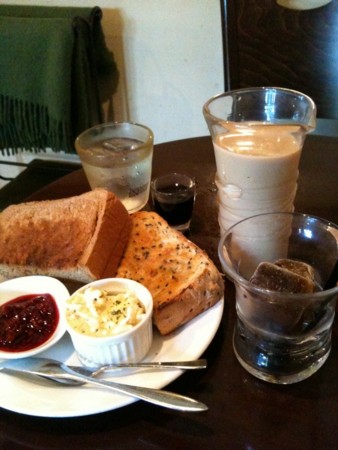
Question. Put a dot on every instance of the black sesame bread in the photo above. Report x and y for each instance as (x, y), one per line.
(180, 276)
(79, 238)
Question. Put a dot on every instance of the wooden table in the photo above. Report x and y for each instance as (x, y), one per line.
(244, 412)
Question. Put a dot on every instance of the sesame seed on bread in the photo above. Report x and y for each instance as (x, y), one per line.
(180, 276)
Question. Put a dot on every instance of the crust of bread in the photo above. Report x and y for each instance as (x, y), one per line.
(80, 238)
(180, 276)
(104, 250)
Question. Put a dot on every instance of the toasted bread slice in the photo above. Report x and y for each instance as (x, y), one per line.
(80, 238)
(180, 276)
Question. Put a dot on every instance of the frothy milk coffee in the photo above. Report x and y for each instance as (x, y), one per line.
(257, 169)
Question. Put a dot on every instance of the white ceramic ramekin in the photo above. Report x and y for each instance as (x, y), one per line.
(129, 346)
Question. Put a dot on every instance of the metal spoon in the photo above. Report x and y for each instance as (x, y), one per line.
(60, 372)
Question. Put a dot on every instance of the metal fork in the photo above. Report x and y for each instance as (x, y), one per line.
(196, 364)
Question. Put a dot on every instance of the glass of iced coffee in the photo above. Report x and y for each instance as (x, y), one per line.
(118, 157)
(282, 266)
(258, 134)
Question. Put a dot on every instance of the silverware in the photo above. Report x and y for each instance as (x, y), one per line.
(196, 364)
(60, 372)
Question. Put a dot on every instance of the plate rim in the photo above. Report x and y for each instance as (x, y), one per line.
(210, 318)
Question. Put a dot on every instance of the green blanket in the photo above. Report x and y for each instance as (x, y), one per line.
(50, 62)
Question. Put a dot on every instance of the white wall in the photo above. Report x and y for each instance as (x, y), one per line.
(169, 55)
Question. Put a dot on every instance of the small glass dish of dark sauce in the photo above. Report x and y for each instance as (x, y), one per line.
(173, 198)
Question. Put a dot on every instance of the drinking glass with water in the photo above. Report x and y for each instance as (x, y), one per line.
(118, 157)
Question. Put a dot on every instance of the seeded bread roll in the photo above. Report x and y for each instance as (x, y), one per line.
(180, 276)
(79, 238)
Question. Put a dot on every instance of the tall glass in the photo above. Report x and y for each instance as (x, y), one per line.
(258, 135)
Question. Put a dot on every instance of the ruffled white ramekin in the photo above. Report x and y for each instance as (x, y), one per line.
(129, 346)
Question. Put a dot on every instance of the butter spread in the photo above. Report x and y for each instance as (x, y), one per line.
(103, 313)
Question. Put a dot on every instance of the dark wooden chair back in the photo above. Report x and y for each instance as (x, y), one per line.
(268, 45)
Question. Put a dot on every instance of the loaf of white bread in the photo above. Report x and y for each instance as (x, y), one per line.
(92, 236)
(80, 238)
(180, 276)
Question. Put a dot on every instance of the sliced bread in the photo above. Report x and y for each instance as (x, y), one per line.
(180, 276)
(80, 238)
